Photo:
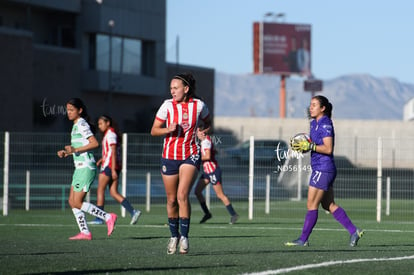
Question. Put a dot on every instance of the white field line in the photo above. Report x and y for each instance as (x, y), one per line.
(330, 263)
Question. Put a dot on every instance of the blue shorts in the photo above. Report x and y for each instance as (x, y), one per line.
(214, 178)
(172, 166)
(108, 171)
(322, 180)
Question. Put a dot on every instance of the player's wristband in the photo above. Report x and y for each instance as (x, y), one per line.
(312, 146)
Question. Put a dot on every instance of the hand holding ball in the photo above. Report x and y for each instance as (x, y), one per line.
(302, 143)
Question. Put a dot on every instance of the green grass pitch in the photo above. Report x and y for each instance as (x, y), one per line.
(36, 242)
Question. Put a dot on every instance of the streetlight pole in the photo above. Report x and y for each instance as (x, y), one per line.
(111, 24)
(282, 89)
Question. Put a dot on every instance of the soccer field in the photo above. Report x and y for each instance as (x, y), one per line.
(36, 242)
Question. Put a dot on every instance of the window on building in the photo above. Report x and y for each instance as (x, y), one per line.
(148, 58)
(132, 56)
(129, 56)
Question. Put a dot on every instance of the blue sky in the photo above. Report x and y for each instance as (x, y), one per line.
(348, 37)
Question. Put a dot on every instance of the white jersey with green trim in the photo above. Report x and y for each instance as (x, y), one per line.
(81, 131)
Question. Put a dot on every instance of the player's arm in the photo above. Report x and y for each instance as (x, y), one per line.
(159, 129)
(207, 126)
(113, 168)
(98, 163)
(93, 144)
(326, 147)
(205, 154)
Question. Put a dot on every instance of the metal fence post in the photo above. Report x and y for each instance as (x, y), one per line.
(6, 174)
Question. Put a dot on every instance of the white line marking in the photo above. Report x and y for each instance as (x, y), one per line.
(324, 264)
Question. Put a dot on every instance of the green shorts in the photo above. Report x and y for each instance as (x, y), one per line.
(82, 179)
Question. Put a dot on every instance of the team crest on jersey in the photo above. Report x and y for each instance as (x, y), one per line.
(185, 126)
(185, 116)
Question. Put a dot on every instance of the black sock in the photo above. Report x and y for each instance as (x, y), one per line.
(204, 207)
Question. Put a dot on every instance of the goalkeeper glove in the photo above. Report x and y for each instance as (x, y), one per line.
(303, 146)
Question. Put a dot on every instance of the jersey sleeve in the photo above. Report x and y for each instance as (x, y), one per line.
(85, 129)
(162, 113)
(111, 138)
(205, 145)
(205, 113)
(327, 130)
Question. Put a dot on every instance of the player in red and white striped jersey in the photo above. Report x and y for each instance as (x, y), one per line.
(110, 168)
(211, 174)
(177, 119)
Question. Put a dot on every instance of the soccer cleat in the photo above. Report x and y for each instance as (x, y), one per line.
(297, 242)
(111, 223)
(206, 217)
(355, 237)
(172, 245)
(234, 219)
(82, 236)
(135, 217)
(184, 246)
(97, 221)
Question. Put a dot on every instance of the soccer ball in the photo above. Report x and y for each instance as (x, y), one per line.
(299, 138)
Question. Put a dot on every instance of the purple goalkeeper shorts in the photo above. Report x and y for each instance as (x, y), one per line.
(322, 180)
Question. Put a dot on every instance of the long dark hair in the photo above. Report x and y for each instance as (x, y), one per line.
(78, 104)
(114, 125)
(188, 80)
(324, 102)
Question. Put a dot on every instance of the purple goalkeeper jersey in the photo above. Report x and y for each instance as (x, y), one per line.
(318, 131)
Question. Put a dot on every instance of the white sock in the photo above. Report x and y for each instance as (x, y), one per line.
(80, 219)
(95, 211)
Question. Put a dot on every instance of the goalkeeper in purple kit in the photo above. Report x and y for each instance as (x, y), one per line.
(323, 172)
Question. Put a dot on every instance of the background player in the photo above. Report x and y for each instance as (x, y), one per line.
(110, 168)
(211, 174)
(82, 143)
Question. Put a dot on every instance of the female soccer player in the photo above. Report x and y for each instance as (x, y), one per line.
(177, 119)
(211, 174)
(110, 167)
(323, 175)
(82, 143)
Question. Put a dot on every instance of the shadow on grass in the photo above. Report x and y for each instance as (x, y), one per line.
(122, 270)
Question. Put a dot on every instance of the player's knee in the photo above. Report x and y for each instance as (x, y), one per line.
(172, 203)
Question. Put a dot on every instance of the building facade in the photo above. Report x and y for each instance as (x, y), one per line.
(110, 53)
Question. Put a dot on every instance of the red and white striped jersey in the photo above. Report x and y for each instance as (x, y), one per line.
(181, 144)
(110, 138)
(209, 166)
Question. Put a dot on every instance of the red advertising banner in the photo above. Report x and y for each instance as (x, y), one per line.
(282, 48)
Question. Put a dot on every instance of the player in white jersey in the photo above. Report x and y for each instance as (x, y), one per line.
(110, 164)
(177, 120)
(82, 143)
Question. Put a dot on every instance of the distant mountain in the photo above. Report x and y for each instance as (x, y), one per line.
(352, 96)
